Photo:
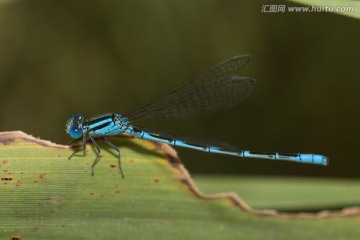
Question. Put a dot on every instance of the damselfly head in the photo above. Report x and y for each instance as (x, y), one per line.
(75, 126)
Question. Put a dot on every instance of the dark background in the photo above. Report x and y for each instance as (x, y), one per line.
(92, 57)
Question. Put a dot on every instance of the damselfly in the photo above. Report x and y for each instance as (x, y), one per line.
(218, 88)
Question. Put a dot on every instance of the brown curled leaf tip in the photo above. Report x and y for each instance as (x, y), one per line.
(10, 137)
(6, 141)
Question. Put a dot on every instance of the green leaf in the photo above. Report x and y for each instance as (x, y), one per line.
(336, 5)
(293, 194)
(46, 196)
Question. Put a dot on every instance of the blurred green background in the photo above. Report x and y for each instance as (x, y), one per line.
(92, 57)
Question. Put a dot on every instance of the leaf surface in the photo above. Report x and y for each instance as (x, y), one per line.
(46, 196)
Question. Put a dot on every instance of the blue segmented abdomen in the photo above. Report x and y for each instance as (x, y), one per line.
(295, 157)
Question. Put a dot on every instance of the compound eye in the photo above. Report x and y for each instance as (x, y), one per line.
(74, 127)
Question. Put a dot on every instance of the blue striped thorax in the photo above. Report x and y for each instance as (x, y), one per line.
(105, 125)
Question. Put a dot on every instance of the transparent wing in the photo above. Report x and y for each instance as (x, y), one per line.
(216, 89)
